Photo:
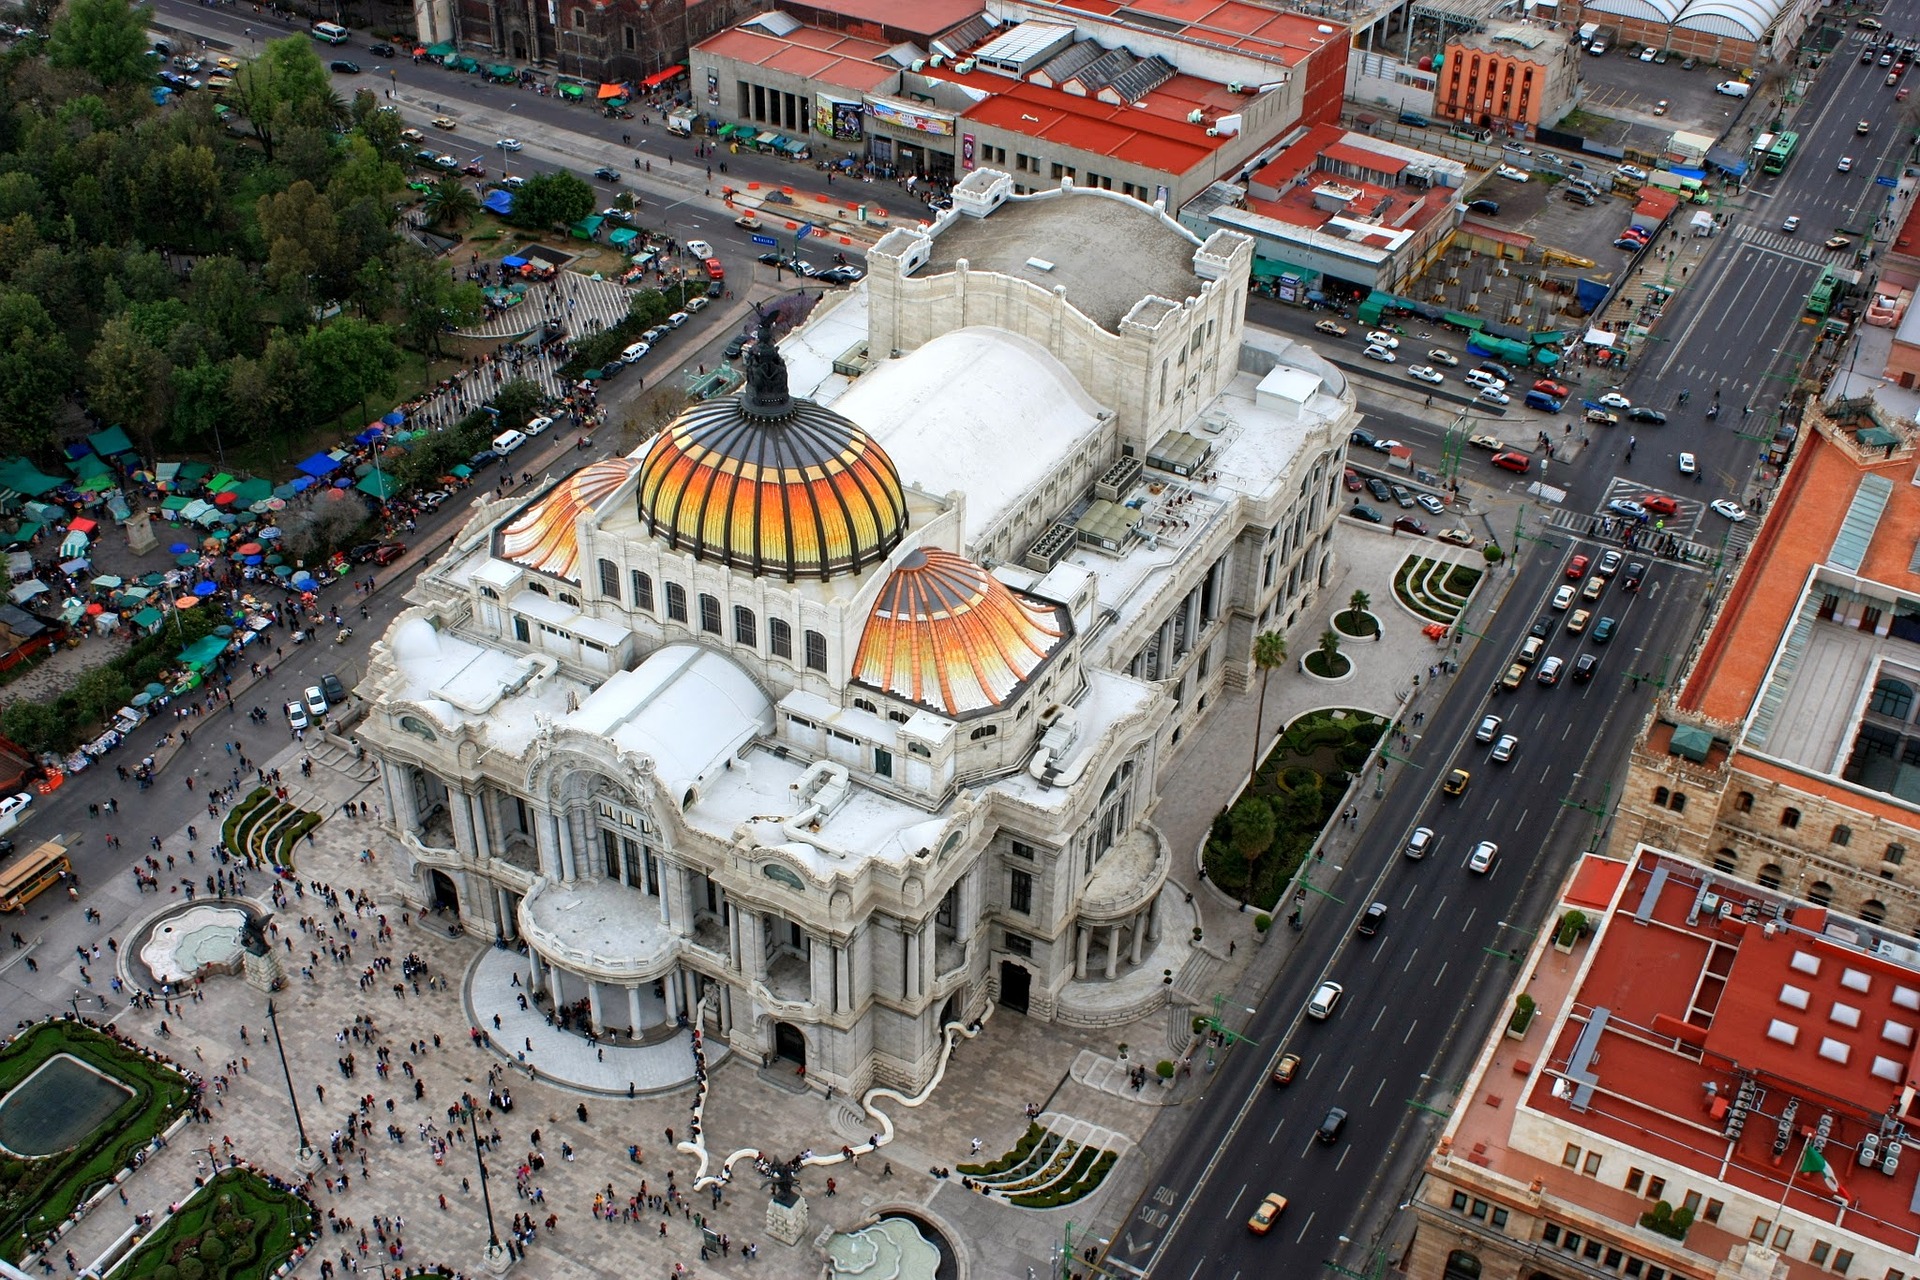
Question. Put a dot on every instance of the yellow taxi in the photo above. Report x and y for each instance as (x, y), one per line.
(1267, 1214)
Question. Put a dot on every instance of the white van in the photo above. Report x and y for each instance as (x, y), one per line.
(507, 441)
(330, 33)
(1482, 379)
(1733, 88)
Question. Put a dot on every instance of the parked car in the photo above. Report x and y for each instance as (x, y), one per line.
(387, 552)
(1491, 208)
(316, 701)
(381, 49)
(1360, 511)
(1439, 355)
(341, 66)
(296, 715)
(1331, 327)
(1458, 537)
(1430, 504)
(1407, 524)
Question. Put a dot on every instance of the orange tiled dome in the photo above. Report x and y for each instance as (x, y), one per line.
(542, 537)
(947, 634)
(771, 484)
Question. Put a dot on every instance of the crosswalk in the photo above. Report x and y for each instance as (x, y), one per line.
(1694, 537)
(1774, 241)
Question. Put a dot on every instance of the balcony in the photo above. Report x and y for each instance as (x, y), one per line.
(1127, 878)
(598, 929)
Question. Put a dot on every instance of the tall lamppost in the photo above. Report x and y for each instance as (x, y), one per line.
(498, 1260)
(306, 1159)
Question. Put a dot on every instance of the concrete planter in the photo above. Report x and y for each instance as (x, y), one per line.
(1339, 679)
(1370, 615)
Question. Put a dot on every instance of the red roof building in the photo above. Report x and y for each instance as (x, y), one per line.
(1706, 1047)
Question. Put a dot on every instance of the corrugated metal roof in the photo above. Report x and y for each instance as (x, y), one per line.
(1863, 517)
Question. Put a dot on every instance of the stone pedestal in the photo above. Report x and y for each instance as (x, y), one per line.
(495, 1260)
(787, 1219)
(308, 1160)
(140, 534)
(262, 971)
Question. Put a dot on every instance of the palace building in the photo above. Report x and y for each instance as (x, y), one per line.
(841, 707)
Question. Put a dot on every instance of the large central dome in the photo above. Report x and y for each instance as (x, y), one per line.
(770, 484)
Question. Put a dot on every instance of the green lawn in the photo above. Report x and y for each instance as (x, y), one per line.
(36, 1194)
(238, 1227)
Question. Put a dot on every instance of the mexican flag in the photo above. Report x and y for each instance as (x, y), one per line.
(1814, 1165)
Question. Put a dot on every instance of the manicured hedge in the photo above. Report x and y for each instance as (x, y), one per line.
(239, 1227)
(37, 1194)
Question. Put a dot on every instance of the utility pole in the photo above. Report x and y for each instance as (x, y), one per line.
(1599, 813)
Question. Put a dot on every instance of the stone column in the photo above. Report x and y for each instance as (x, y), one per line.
(1113, 949)
(546, 838)
(842, 981)
(1080, 932)
(967, 918)
(820, 968)
(509, 927)
(663, 871)
(670, 984)
(1138, 925)
(910, 982)
(683, 901)
(726, 1009)
(736, 960)
(462, 818)
(406, 809)
(553, 986)
(533, 972)
(482, 833)
(1153, 917)
(582, 839)
(593, 1005)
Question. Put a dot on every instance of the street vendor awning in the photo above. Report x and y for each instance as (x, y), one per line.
(515, 262)
(147, 619)
(439, 50)
(203, 653)
(192, 471)
(793, 145)
(318, 465)
(379, 484)
(501, 71)
(88, 468)
(176, 502)
(23, 477)
(622, 235)
(27, 591)
(110, 442)
(725, 130)
(588, 227)
(611, 91)
(573, 91)
(22, 536)
(498, 201)
(251, 491)
(661, 77)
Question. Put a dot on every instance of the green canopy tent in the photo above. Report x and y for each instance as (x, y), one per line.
(622, 236)
(23, 477)
(192, 471)
(22, 536)
(501, 71)
(87, 467)
(378, 484)
(146, 619)
(248, 492)
(440, 50)
(203, 653)
(110, 443)
(588, 227)
(572, 91)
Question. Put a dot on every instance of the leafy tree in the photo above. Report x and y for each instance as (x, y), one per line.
(200, 403)
(364, 172)
(1269, 652)
(302, 236)
(105, 38)
(128, 380)
(449, 202)
(226, 300)
(348, 359)
(552, 199)
(269, 392)
(20, 193)
(37, 726)
(19, 240)
(430, 299)
(36, 370)
(279, 89)
(518, 402)
(1251, 826)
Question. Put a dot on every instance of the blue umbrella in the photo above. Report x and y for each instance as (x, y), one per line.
(252, 559)
(205, 588)
(395, 418)
(345, 482)
(178, 547)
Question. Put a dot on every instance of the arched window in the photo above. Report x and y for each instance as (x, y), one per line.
(746, 628)
(579, 19)
(1727, 860)
(1744, 802)
(1770, 876)
(1461, 1265)
(642, 591)
(1660, 795)
(1892, 698)
(866, 705)
(1873, 911)
(984, 731)
(709, 613)
(1842, 835)
(1820, 893)
(1678, 803)
(1790, 818)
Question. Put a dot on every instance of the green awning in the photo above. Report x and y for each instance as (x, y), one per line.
(1876, 438)
(1692, 743)
(248, 492)
(622, 235)
(588, 227)
(462, 471)
(501, 71)
(464, 64)
(22, 536)
(193, 471)
(1268, 269)
(176, 502)
(203, 653)
(88, 467)
(1459, 321)
(572, 91)
(221, 483)
(110, 442)
(23, 477)
(378, 484)
(439, 50)
(146, 619)
(724, 131)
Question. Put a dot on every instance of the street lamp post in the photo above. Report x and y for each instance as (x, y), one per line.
(306, 1159)
(497, 1259)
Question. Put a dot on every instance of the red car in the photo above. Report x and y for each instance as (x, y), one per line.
(714, 271)
(1577, 567)
(387, 552)
(1552, 388)
(1511, 461)
(1352, 480)
(1660, 504)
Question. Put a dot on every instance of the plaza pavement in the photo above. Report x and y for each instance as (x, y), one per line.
(1071, 1073)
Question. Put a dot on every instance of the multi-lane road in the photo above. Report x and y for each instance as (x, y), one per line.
(1422, 994)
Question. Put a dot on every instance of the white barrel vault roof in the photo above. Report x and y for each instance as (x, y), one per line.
(1735, 19)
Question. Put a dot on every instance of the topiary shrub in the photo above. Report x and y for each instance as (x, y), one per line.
(1354, 755)
(1163, 1069)
(213, 1250)
(1368, 732)
(1522, 1018)
(1298, 778)
(1262, 922)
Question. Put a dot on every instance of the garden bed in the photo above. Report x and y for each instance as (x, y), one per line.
(237, 1227)
(36, 1195)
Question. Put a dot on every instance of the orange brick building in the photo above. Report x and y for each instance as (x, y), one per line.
(1518, 77)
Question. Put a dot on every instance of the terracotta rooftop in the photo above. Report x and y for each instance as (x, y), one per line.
(832, 59)
(1287, 188)
(1680, 1002)
(1229, 24)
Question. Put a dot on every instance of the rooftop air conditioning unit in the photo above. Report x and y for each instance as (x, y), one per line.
(1233, 86)
(965, 65)
(937, 60)
(1213, 133)
(1195, 116)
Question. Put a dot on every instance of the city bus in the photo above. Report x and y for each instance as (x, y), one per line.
(1781, 152)
(27, 878)
(330, 33)
(1825, 289)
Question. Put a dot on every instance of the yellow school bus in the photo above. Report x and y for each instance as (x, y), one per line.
(31, 875)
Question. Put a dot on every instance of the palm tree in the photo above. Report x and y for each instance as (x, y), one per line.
(1269, 651)
(1358, 602)
(1329, 650)
(449, 202)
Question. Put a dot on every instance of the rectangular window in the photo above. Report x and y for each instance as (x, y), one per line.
(642, 591)
(1500, 1219)
(676, 602)
(1613, 1259)
(1692, 1203)
(1592, 1168)
(1842, 1261)
(1571, 1242)
(1636, 1178)
(1760, 1228)
(1016, 944)
(883, 762)
(709, 614)
(816, 651)
(1479, 1209)
(1020, 893)
(1021, 850)
(520, 631)
(1714, 1209)
(1459, 1202)
(1550, 1233)
(1571, 1157)
(779, 638)
(1782, 1237)
(1633, 1268)
(1820, 1251)
(1656, 1188)
(610, 579)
